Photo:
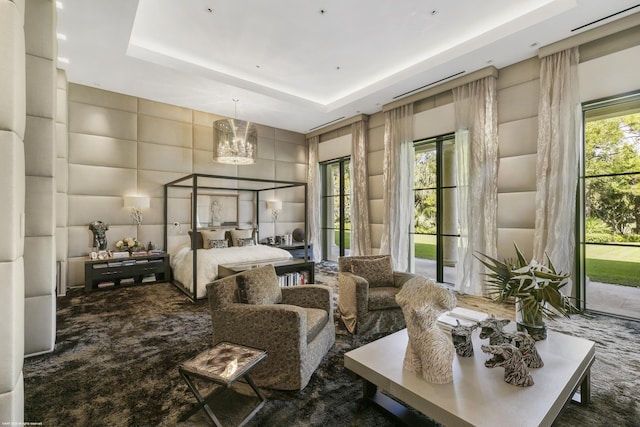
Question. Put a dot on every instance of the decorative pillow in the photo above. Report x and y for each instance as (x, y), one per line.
(378, 272)
(245, 242)
(217, 243)
(260, 286)
(208, 235)
(199, 239)
(240, 234)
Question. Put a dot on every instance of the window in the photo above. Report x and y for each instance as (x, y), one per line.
(336, 207)
(435, 228)
(609, 200)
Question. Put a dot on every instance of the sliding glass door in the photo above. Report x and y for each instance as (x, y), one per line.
(336, 208)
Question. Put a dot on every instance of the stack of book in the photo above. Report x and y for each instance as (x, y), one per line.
(106, 284)
(151, 277)
(466, 317)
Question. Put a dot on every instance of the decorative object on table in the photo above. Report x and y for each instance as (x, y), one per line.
(99, 230)
(150, 246)
(527, 346)
(535, 287)
(509, 357)
(276, 207)
(129, 244)
(461, 335)
(215, 209)
(135, 205)
(492, 328)
(298, 235)
(429, 351)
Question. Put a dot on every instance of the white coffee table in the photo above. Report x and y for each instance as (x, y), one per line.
(478, 396)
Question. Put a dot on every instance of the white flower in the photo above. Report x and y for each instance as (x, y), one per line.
(119, 244)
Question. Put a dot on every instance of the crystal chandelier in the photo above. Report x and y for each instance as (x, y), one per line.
(235, 141)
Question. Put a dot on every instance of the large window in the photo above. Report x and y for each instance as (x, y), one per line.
(435, 228)
(336, 208)
(610, 199)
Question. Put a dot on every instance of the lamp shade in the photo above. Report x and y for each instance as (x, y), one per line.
(235, 142)
(137, 202)
(274, 204)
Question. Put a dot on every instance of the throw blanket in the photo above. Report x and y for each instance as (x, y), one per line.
(209, 259)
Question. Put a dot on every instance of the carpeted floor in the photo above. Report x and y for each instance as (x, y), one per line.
(117, 352)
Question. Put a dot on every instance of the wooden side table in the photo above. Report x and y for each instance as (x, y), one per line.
(223, 364)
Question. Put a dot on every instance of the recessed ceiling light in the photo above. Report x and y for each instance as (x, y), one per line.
(61, 36)
(434, 12)
(338, 67)
(534, 44)
(322, 11)
(63, 60)
(59, 5)
(210, 10)
(257, 66)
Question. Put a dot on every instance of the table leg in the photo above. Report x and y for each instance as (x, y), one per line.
(203, 402)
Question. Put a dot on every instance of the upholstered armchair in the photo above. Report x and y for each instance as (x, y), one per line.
(367, 288)
(293, 324)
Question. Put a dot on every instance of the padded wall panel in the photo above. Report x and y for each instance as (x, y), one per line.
(61, 103)
(518, 102)
(376, 138)
(203, 138)
(151, 183)
(203, 163)
(62, 175)
(163, 131)
(38, 151)
(202, 118)
(12, 69)
(154, 214)
(516, 74)
(41, 86)
(102, 151)
(517, 174)
(62, 242)
(291, 171)
(376, 236)
(291, 212)
(375, 162)
(433, 122)
(62, 140)
(266, 132)
(151, 233)
(62, 210)
(39, 323)
(40, 28)
(517, 210)
(165, 158)
(101, 181)
(289, 136)
(288, 152)
(375, 187)
(262, 169)
(94, 120)
(523, 237)
(294, 195)
(40, 206)
(83, 210)
(102, 98)
(518, 137)
(376, 211)
(267, 148)
(81, 238)
(12, 188)
(39, 256)
(164, 111)
(11, 327)
(12, 403)
(179, 210)
(75, 270)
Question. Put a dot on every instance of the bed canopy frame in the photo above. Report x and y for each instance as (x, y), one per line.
(198, 181)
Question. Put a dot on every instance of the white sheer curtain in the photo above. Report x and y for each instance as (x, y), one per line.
(476, 109)
(397, 181)
(314, 204)
(360, 234)
(559, 122)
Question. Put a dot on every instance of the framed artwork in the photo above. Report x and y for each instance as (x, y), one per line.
(216, 210)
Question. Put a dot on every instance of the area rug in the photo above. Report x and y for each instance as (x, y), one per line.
(117, 352)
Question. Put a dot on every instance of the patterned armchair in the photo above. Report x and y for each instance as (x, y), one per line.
(367, 288)
(293, 324)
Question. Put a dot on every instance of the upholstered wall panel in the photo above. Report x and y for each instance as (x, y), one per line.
(39, 157)
(203, 138)
(11, 327)
(39, 252)
(291, 171)
(41, 86)
(517, 210)
(163, 131)
(375, 163)
(517, 102)
(62, 134)
(164, 158)
(12, 69)
(375, 187)
(518, 137)
(12, 402)
(62, 210)
(12, 188)
(40, 206)
(523, 237)
(151, 183)
(267, 148)
(62, 243)
(203, 163)
(62, 175)
(376, 211)
(95, 120)
(41, 28)
(39, 321)
(517, 173)
(163, 111)
(102, 181)
(288, 152)
(83, 210)
(102, 98)
(62, 182)
(102, 151)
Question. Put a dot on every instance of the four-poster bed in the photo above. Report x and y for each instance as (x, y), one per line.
(216, 236)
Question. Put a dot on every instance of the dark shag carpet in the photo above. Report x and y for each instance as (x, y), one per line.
(117, 352)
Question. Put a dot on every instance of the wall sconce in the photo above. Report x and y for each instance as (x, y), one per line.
(135, 205)
(276, 207)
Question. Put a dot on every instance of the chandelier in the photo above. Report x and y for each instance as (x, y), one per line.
(235, 141)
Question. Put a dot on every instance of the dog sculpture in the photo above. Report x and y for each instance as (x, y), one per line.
(429, 351)
(492, 328)
(509, 357)
(527, 346)
(462, 339)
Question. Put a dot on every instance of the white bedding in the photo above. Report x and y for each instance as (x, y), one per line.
(209, 259)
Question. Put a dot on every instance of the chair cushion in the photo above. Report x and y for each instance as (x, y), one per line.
(260, 286)
(316, 319)
(383, 297)
(378, 272)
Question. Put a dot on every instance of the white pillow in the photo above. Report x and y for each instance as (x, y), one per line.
(240, 234)
(211, 235)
